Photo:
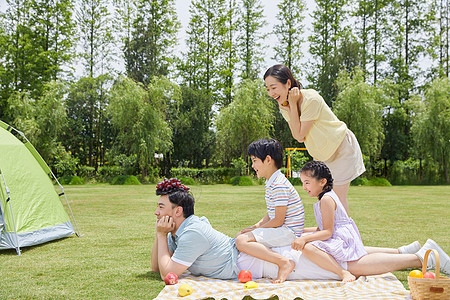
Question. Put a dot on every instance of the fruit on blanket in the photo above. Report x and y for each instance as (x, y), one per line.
(245, 276)
(171, 279)
(416, 273)
(250, 285)
(185, 290)
(429, 275)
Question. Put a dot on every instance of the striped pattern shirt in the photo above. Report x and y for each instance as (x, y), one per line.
(280, 192)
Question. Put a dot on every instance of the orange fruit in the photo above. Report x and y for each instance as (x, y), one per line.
(416, 273)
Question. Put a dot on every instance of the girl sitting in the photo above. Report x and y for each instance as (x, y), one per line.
(336, 240)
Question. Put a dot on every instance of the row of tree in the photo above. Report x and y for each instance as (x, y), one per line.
(380, 65)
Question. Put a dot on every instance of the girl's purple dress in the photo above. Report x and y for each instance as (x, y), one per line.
(345, 244)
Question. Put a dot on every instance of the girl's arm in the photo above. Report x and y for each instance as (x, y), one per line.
(298, 129)
(310, 229)
(327, 208)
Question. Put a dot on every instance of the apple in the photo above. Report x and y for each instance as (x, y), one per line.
(429, 275)
(245, 276)
(171, 279)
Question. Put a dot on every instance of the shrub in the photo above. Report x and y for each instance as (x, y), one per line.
(71, 180)
(235, 180)
(107, 173)
(187, 181)
(378, 181)
(245, 181)
(359, 181)
(295, 181)
(125, 180)
(205, 176)
(241, 181)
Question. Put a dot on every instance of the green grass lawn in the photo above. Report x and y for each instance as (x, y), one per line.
(112, 259)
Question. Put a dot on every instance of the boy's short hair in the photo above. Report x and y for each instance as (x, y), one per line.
(263, 147)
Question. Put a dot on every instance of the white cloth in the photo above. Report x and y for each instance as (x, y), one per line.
(274, 237)
(304, 268)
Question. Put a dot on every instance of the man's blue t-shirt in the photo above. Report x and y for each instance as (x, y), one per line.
(204, 250)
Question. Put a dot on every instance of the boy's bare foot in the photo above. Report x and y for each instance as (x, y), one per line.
(347, 276)
(284, 270)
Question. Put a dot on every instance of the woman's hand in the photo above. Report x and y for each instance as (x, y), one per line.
(294, 96)
(298, 244)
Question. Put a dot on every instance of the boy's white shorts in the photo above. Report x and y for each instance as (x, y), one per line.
(274, 237)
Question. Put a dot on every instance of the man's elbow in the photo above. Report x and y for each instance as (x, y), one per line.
(155, 268)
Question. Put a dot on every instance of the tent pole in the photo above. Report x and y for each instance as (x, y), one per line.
(68, 205)
(12, 215)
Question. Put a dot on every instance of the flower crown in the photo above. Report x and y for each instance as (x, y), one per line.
(169, 186)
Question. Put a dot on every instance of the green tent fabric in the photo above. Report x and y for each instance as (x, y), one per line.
(31, 211)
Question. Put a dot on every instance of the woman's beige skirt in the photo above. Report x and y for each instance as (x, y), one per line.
(346, 163)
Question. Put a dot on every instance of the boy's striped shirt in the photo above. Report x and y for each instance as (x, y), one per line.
(280, 192)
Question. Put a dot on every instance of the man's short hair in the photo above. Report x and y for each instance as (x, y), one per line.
(183, 199)
(263, 147)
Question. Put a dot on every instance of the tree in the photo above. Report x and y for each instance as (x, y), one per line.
(327, 34)
(140, 129)
(431, 124)
(88, 137)
(372, 21)
(193, 139)
(44, 120)
(148, 52)
(96, 36)
(206, 33)
(227, 57)
(37, 44)
(248, 118)
(437, 30)
(357, 105)
(53, 33)
(289, 33)
(249, 41)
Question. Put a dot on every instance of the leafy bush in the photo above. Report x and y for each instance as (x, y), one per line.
(86, 172)
(125, 180)
(235, 180)
(359, 181)
(205, 176)
(241, 180)
(413, 172)
(295, 181)
(187, 181)
(378, 181)
(240, 165)
(107, 173)
(71, 180)
(66, 164)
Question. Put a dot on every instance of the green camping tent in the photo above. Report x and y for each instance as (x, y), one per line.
(31, 211)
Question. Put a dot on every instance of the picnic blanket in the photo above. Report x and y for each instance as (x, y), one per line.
(385, 286)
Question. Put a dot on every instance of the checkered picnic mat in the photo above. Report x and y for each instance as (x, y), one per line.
(385, 286)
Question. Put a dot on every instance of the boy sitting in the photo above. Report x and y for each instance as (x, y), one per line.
(285, 216)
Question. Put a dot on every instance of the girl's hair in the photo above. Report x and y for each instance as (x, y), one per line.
(178, 194)
(282, 73)
(319, 170)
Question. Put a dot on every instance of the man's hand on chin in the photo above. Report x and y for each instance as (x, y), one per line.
(165, 225)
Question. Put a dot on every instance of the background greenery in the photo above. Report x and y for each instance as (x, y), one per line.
(381, 65)
(112, 259)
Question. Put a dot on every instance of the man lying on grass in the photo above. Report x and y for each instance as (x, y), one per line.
(184, 241)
